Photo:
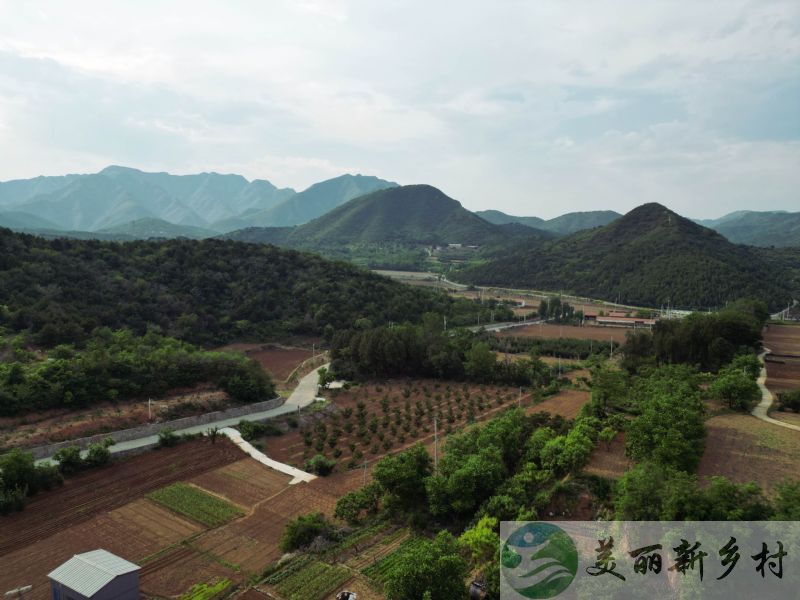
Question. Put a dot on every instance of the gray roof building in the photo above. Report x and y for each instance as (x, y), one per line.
(98, 575)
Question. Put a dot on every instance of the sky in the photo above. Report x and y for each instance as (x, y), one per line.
(529, 107)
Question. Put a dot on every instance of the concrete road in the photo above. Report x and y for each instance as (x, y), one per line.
(302, 396)
(761, 411)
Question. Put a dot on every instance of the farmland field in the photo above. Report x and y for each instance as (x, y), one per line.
(609, 462)
(566, 403)
(196, 504)
(277, 360)
(396, 414)
(245, 482)
(743, 448)
(783, 364)
(380, 570)
(315, 581)
(104, 508)
(550, 331)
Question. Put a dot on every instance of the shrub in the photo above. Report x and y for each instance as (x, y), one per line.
(69, 460)
(167, 437)
(319, 465)
(305, 529)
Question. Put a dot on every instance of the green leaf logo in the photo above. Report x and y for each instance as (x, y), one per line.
(539, 560)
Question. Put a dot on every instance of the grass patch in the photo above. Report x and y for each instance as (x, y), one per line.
(196, 504)
(205, 591)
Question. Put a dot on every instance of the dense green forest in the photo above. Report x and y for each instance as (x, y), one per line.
(650, 257)
(427, 350)
(117, 365)
(206, 291)
(707, 341)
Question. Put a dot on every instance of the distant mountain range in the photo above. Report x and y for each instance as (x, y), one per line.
(118, 196)
(411, 215)
(756, 228)
(123, 203)
(650, 256)
(563, 225)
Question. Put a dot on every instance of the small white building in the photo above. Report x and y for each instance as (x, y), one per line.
(98, 575)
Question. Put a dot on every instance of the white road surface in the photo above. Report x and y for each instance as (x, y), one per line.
(302, 396)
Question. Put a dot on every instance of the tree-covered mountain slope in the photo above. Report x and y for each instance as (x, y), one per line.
(650, 256)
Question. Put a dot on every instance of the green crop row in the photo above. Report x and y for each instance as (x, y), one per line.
(380, 570)
(314, 582)
(196, 504)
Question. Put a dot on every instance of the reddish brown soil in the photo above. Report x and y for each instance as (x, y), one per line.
(566, 403)
(101, 490)
(609, 461)
(133, 531)
(290, 447)
(245, 482)
(549, 331)
(782, 339)
(278, 361)
(57, 425)
(743, 449)
(176, 571)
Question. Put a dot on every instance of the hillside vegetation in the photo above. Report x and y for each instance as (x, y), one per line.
(760, 228)
(651, 256)
(207, 291)
(562, 225)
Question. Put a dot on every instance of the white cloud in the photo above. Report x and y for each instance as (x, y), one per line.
(530, 107)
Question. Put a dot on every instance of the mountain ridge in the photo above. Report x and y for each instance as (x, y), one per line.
(649, 256)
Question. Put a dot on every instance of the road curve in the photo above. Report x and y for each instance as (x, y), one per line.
(761, 411)
(302, 396)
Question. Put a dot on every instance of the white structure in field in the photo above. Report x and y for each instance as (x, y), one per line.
(98, 575)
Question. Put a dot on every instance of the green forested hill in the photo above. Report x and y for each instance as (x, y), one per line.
(650, 256)
(411, 214)
(761, 228)
(205, 291)
(562, 225)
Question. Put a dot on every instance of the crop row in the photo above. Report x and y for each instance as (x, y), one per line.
(313, 582)
(196, 504)
(380, 570)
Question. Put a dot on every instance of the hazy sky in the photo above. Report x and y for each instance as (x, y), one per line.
(531, 107)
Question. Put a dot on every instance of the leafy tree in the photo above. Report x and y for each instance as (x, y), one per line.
(480, 363)
(435, 567)
(354, 505)
(402, 477)
(736, 389)
(319, 465)
(69, 459)
(787, 501)
(303, 530)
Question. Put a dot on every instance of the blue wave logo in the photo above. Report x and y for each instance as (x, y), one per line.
(539, 560)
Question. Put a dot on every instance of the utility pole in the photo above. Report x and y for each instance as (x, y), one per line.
(365, 471)
(435, 445)
(149, 411)
(445, 322)
(612, 347)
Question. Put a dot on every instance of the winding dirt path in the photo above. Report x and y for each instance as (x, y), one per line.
(761, 411)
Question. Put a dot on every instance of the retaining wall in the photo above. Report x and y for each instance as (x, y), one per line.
(125, 435)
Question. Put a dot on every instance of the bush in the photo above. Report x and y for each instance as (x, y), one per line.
(319, 465)
(305, 529)
(789, 401)
(251, 430)
(69, 460)
(167, 437)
